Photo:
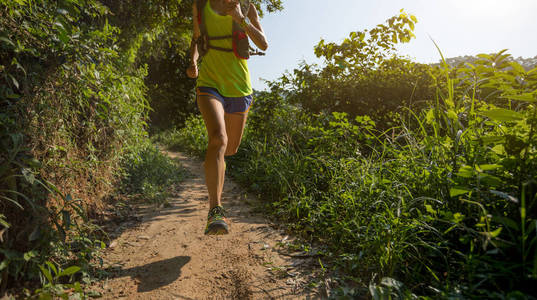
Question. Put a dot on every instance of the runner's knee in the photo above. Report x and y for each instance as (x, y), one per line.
(218, 140)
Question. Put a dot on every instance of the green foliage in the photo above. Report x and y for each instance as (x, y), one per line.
(192, 138)
(365, 50)
(52, 289)
(71, 107)
(69, 239)
(150, 174)
(441, 205)
(363, 76)
(171, 92)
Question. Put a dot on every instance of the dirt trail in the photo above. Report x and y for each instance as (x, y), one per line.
(166, 256)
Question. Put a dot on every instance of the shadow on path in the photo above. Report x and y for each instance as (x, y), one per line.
(153, 275)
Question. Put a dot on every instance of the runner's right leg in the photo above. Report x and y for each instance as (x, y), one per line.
(213, 115)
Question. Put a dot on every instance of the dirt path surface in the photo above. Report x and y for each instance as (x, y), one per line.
(165, 255)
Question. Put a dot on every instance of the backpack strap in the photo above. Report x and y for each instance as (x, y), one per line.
(200, 5)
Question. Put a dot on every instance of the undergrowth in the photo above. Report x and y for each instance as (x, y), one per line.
(442, 205)
(149, 175)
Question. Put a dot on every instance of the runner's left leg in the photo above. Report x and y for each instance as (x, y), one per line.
(235, 123)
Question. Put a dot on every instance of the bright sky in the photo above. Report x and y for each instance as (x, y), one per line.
(459, 27)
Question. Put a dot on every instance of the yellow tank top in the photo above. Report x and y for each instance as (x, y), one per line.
(219, 69)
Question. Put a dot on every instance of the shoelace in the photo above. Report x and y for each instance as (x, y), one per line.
(217, 211)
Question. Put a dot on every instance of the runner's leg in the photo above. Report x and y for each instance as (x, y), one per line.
(235, 123)
(234, 129)
(213, 115)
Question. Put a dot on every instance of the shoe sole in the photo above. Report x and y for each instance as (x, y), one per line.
(217, 228)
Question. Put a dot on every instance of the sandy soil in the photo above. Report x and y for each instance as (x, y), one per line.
(165, 255)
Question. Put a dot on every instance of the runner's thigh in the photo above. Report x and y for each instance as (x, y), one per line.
(213, 114)
(234, 127)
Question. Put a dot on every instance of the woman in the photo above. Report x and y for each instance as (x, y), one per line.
(224, 93)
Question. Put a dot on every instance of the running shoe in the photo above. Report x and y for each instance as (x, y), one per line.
(217, 222)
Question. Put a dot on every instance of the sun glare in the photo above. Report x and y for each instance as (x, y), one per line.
(480, 10)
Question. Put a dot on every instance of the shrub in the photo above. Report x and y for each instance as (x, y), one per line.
(150, 175)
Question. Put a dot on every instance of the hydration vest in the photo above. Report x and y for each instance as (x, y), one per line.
(241, 46)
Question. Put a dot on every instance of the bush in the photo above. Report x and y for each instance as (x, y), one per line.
(192, 138)
(150, 175)
(363, 75)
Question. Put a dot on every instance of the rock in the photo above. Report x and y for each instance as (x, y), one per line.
(265, 247)
(292, 274)
(143, 237)
(112, 245)
(132, 244)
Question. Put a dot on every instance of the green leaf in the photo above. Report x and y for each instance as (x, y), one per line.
(63, 37)
(452, 115)
(496, 232)
(30, 254)
(499, 149)
(457, 191)
(12, 201)
(466, 172)
(69, 271)
(488, 167)
(15, 82)
(517, 67)
(4, 264)
(13, 96)
(458, 217)
(3, 221)
(28, 175)
(430, 209)
(490, 180)
(391, 283)
(52, 267)
(503, 115)
(492, 139)
(46, 273)
(429, 118)
(527, 97)
(7, 41)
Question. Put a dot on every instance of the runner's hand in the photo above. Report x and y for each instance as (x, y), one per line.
(252, 13)
(235, 11)
(192, 71)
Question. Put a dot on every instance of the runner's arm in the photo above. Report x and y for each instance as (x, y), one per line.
(192, 70)
(253, 29)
